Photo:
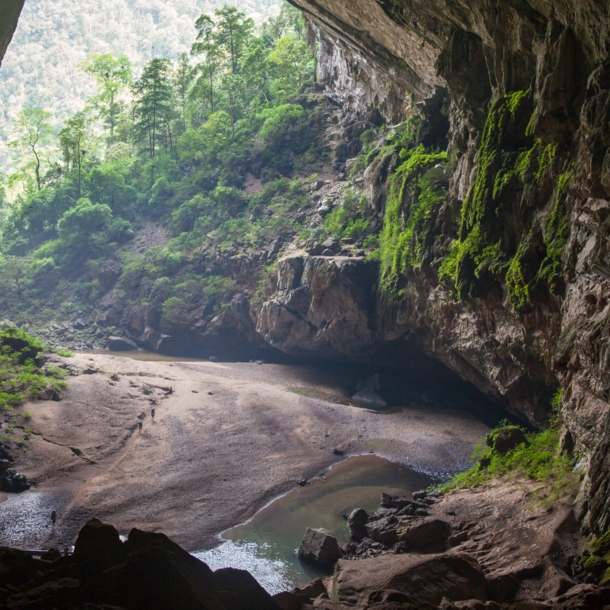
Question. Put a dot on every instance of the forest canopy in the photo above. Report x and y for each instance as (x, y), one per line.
(175, 143)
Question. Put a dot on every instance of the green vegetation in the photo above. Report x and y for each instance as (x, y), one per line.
(556, 235)
(413, 196)
(21, 379)
(510, 162)
(350, 220)
(176, 147)
(539, 460)
(597, 562)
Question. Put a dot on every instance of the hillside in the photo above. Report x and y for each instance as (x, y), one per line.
(53, 37)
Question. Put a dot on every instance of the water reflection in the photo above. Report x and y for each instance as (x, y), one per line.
(266, 545)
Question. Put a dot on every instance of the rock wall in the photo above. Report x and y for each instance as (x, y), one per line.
(9, 15)
(546, 322)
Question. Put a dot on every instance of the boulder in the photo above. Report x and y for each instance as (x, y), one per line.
(13, 482)
(369, 399)
(383, 530)
(320, 547)
(288, 600)
(4, 466)
(147, 572)
(297, 598)
(506, 439)
(50, 394)
(425, 578)
(427, 533)
(97, 540)
(5, 454)
(313, 590)
(356, 523)
(80, 324)
(121, 344)
(314, 249)
(238, 589)
(398, 501)
(582, 597)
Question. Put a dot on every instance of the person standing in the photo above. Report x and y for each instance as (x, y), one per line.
(140, 425)
(53, 517)
(152, 414)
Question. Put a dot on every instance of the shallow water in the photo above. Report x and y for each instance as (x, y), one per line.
(266, 545)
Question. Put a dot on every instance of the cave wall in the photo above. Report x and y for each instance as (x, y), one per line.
(9, 16)
(397, 54)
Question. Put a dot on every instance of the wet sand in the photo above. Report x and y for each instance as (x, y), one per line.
(227, 440)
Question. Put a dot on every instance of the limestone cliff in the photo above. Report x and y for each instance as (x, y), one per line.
(522, 89)
(9, 15)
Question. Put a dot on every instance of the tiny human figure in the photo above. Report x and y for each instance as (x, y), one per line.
(152, 413)
(53, 517)
(140, 425)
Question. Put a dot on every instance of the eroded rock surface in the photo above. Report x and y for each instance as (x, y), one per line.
(537, 74)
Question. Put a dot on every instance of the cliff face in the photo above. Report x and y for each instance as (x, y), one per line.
(9, 15)
(521, 304)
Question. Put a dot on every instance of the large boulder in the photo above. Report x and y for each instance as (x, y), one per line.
(297, 598)
(148, 572)
(427, 533)
(356, 523)
(97, 540)
(425, 578)
(121, 344)
(238, 589)
(383, 530)
(506, 439)
(13, 482)
(399, 501)
(320, 547)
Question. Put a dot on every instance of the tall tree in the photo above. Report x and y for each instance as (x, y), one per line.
(291, 65)
(73, 140)
(113, 75)
(33, 133)
(206, 45)
(233, 32)
(183, 79)
(153, 103)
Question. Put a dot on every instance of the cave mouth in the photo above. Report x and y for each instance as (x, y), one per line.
(419, 381)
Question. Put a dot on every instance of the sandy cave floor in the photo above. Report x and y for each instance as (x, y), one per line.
(228, 439)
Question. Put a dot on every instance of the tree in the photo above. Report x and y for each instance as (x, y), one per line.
(183, 78)
(33, 133)
(154, 104)
(73, 140)
(232, 34)
(206, 45)
(291, 65)
(77, 224)
(113, 75)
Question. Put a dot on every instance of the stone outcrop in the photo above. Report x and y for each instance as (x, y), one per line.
(121, 344)
(148, 571)
(356, 524)
(320, 547)
(11, 481)
(9, 16)
(322, 306)
(424, 578)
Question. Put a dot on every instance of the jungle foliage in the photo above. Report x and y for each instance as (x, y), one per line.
(173, 144)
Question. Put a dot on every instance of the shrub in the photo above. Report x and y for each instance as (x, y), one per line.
(539, 460)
